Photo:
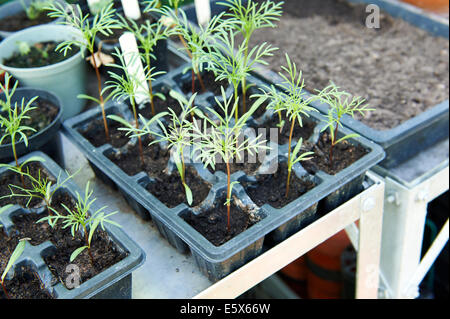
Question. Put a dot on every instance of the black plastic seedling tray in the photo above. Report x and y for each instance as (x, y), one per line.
(412, 136)
(113, 283)
(275, 224)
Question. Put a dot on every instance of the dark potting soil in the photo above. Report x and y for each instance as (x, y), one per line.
(20, 21)
(401, 70)
(38, 119)
(95, 133)
(155, 159)
(160, 106)
(41, 54)
(344, 154)
(171, 192)
(105, 253)
(25, 285)
(211, 84)
(247, 167)
(271, 189)
(304, 132)
(249, 102)
(212, 223)
(10, 178)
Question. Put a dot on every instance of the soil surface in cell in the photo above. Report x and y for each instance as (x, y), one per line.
(21, 21)
(160, 106)
(401, 70)
(212, 223)
(210, 82)
(248, 104)
(171, 192)
(271, 189)
(39, 55)
(304, 132)
(10, 178)
(25, 285)
(344, 155)
(154, 161)
(43, 114)
(244, 165)
(94, 132)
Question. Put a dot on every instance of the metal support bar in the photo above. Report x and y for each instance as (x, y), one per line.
(403, 228)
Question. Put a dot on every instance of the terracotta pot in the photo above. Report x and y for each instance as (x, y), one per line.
(324, 278)
(439, 6)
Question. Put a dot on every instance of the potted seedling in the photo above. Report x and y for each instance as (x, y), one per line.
(74, 230)
(178, 134)
(196, 40)
(341, 103)
(149, 35)
(79, 220)
(223, 140)
(21, 14)
(102, 23)
(233, 65)
(246, 19)
(18, 251)
(29, 120)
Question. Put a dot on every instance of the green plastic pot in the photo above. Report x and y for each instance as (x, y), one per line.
(65, 79)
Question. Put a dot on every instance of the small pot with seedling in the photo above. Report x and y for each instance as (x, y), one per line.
(33, 57)
(66, 229)
(21, 14)
(29, 121)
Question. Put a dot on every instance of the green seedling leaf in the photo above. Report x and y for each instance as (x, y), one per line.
(347, 137)
(77, 252)
(189, 197)
(15, 255)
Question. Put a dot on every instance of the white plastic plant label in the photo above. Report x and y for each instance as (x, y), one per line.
(203, 9)
(134, 66)
(131, 9)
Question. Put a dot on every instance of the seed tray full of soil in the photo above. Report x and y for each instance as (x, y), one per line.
(41, 271)
(154, 192)
(401, 69)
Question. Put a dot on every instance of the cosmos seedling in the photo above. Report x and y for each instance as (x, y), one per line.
(341, 103)
(11, 120)
(102, 23)
(41, 188)
(126, 87)
(197, 41)
(18, 251)
(148, 36)
(294, 101)
(81, 221)
(232, 65)
(246, 20)
(178, 135)
(222, 140)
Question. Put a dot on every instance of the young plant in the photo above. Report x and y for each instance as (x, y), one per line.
(148, 36)
(223, 140)
(341, 103)
(102, 23)
(293, 100)
(35, 8)
(232, 65)
(197, 41)
(18, 251)
(246, 20)
(127, 87)
(42, 188)
(80, 220)
(294, 158)
(177, 135)
(11, 122)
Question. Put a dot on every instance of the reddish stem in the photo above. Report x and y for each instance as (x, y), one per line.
(228, 197)
(289, 154)
(4, 290)
(102, 103)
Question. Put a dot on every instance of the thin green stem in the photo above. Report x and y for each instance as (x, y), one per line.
(289, 154)
(228, 196)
